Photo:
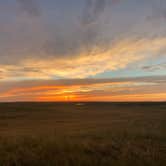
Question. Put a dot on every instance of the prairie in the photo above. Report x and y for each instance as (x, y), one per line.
(86, 134)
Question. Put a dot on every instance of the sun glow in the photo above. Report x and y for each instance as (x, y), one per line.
(60, 98)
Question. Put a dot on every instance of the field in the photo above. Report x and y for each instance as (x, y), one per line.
(83, 134)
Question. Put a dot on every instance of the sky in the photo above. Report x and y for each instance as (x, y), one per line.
(82, 50)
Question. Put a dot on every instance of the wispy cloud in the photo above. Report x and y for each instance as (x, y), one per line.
(86, 64)
(83, 89)
(95, 8)
(30, 7)
(161, 66)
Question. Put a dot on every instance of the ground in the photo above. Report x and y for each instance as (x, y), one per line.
(86, 134)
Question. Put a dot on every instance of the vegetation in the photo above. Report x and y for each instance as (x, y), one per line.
(92, 134)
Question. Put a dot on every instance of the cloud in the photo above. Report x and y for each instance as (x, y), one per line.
(161, 10)
(62, 47)
(83, 89)
(94, 9)
(76, 34)
(151, 68)
(118, 56)
(30, 7)
(158, 10)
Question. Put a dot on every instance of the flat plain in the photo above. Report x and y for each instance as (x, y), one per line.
(83, 134)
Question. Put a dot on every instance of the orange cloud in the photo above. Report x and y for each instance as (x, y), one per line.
(18, 91)
(127, 89)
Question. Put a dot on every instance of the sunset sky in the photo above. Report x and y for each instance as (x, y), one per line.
(82, 50)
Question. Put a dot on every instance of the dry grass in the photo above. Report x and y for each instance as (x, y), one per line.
(94, 134)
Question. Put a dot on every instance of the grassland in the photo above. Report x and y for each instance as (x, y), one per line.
(91, 134)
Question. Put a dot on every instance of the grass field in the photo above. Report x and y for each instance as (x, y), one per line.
(88, 134)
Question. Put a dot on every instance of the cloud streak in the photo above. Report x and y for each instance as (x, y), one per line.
(30, 7)
(119, 56)
(84, 89)
(95, 8)
(161, 66)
